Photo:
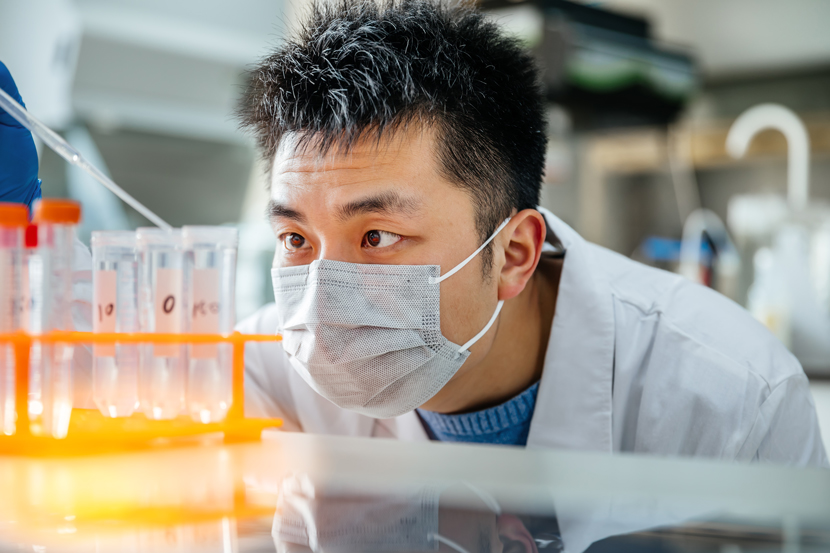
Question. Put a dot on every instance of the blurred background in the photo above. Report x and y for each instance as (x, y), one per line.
(642, 95)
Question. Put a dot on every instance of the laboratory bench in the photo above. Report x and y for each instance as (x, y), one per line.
(301, 492)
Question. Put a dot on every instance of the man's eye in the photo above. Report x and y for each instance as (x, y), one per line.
(293, 241)
(380, 239)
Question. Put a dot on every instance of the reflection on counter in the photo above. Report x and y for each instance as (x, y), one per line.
(296, 492)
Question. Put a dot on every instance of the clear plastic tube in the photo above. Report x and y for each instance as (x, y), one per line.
(162, 309)
(115, 309)
(11, 303)
(49, 275)
(211, 262)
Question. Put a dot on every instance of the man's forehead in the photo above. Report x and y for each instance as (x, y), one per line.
(316, 162)
(302, 154)
(337, 177)
(382, 177)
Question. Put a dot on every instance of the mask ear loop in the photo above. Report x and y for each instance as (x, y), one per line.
(434, 280)
(488, 499)
(484, 330)
(448, 542)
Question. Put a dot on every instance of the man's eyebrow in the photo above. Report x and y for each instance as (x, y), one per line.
(278, 210)
(386, 202)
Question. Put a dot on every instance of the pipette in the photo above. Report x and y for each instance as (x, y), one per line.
(70, 154)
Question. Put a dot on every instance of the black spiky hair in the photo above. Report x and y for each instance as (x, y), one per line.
(361, 68)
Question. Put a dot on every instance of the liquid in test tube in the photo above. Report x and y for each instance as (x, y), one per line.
(13, 221)
(211, 261)
(115, 309)
(49, 272)
(162, 309)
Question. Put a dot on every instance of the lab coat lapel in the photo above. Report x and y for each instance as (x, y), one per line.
(409, 428)
(573, 406)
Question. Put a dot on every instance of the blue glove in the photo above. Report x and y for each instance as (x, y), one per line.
(18, 157)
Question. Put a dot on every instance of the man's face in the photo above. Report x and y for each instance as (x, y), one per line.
(385, 203)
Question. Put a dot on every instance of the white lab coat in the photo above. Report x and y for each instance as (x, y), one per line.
(639, 360)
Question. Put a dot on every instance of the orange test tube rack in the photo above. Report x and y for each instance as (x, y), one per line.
(90, 432)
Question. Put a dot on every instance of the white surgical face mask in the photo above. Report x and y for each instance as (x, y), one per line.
(368, 337)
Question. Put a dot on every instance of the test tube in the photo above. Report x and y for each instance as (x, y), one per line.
(162, 309)
(211, 261)
(50, 285)
(115, 309)
(13, 221)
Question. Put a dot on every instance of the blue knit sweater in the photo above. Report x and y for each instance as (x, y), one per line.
(507, 424)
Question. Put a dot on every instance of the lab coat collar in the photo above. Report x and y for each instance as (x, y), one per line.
(573, 405)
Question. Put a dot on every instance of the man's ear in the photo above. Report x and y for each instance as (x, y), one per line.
(522, 240)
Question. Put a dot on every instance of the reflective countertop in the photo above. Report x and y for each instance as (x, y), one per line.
(299, 492)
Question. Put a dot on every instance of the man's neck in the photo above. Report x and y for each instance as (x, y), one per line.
(516, 359)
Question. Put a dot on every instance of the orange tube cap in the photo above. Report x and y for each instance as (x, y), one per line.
(13, 215)
(65, 212)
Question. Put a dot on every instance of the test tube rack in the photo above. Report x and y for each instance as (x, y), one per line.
(91, 433)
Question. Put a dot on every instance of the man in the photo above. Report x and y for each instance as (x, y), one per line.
(422, 294)
(404, 135)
